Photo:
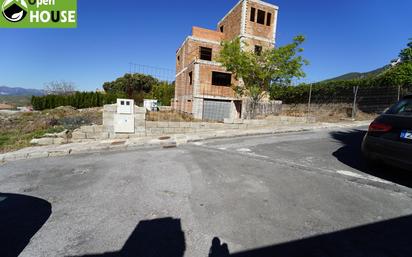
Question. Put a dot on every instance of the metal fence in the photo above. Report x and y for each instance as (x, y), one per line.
(351, 103)
(209, 104)
(262, 109)
(210, 97)
(162, 74)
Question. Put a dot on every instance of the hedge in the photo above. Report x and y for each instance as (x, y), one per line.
(77, 100)
(383, 85)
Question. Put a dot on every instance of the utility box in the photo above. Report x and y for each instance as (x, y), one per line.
(150, 105)
(125, 106)
(124, 117)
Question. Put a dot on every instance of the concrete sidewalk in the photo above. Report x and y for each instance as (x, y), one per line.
(164, 142)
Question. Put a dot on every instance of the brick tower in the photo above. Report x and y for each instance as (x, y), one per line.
(203, 86)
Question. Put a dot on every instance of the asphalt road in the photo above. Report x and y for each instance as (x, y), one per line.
(301, 194)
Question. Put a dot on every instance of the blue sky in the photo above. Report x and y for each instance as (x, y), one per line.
(342, 36)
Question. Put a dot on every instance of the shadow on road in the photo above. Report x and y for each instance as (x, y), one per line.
(20, 218)
(152, 238)
(218, 249)
(382, 239)
(165, 238)
(351, 155)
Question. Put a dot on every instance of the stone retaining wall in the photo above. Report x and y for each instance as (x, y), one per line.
(95, 132)
(106, 131)
(155, 128)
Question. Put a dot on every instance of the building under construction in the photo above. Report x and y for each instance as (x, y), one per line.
(203, 86)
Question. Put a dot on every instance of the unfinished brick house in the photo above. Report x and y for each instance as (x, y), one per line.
(203, 86)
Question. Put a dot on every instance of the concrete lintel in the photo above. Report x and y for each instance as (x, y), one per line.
(217, 97)
(204, 40)
(208, 63)
(180, 72)
(245, 35)
(265, 4)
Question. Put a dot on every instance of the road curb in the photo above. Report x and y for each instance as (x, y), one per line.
(276, 132)
(175, 140)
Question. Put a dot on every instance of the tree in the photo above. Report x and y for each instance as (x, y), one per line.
(59, 88)
(406, 54)
(264, 69)
(164, 92)
(400, 75)
(131, 84)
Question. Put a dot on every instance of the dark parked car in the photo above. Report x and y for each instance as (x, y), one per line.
(389, 138)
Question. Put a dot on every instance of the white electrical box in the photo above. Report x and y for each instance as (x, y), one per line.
(125, 106)
(124, 118)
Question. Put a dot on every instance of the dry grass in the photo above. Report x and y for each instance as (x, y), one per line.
(169, 116)
(16, 130)
(326, 112)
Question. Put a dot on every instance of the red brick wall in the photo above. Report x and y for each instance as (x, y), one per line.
(184, 91)
(251, 43)
(207, 34)
(179, 59)
(232, 24)
(256, 29)
(190, 52)
(206, 87)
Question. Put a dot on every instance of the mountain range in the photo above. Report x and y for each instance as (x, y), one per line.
(18, 91)
(358, 75)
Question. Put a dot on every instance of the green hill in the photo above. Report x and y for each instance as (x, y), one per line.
(358, 75)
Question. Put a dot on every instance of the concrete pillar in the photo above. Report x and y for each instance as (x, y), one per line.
(198, 108)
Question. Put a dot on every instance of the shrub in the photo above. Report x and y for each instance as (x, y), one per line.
(342, 91)
(78, 100)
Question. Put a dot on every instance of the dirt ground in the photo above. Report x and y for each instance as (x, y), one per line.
(168, 116)
(326, 112)
(19, 128)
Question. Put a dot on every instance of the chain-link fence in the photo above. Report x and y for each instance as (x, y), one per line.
(162, 74)
(203, 93)
(346, 103)
(261, 109)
